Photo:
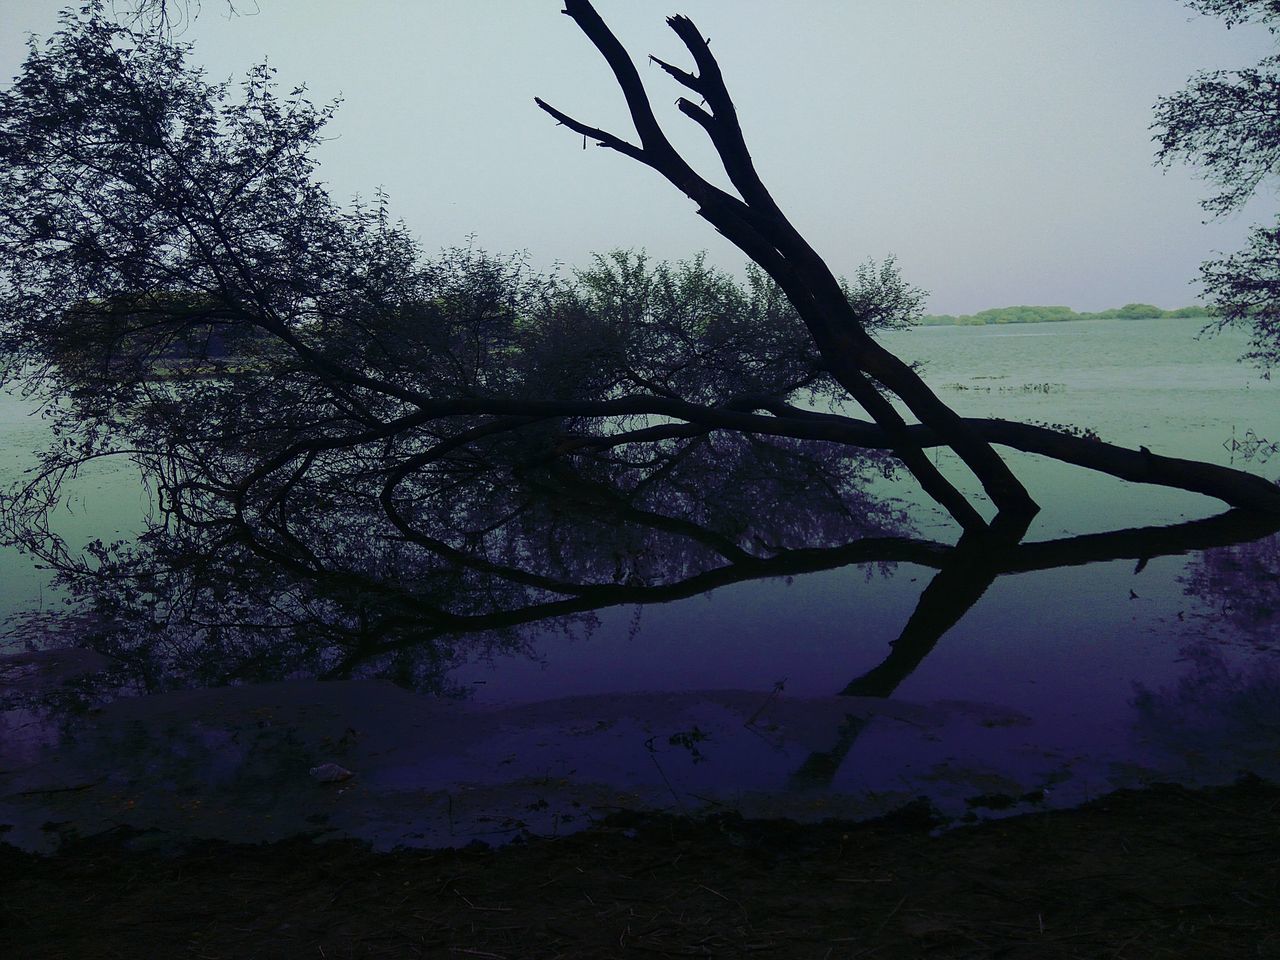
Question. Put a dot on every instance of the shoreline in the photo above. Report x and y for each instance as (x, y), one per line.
(1162, 871)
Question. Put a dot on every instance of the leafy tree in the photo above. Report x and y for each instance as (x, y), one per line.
(1227, 122)
(1139, 311)
(357, 447)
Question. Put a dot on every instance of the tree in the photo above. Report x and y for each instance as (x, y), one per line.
(1228, 123)
(759, 228)
(753, 221)
(366, 452)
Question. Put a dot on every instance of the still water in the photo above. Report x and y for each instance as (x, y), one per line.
(808, 695)
(1134, 383)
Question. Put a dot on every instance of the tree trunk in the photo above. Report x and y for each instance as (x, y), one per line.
(759, 228)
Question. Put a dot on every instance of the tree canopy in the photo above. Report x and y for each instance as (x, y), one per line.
(1227, 123)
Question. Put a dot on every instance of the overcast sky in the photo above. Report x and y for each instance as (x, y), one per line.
(999, 148)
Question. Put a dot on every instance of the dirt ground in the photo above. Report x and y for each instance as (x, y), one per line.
(1165, 872)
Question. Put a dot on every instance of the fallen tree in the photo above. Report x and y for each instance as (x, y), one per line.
(754, 222)
(361, 445)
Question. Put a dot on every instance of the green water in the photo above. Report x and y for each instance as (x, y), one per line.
(1063, 682)
(1136, 383)
(1151, 383)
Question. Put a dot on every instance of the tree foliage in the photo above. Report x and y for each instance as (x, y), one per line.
(1227, 123)
(1236, 12)
(344, 431)
(360, 452)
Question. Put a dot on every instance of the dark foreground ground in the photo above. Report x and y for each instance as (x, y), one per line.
(1165, 872)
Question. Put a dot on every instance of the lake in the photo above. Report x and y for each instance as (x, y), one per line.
(1068, 672)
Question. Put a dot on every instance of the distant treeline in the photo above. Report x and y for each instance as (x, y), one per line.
(1130, 311)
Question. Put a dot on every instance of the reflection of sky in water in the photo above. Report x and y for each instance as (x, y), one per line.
(104, 501)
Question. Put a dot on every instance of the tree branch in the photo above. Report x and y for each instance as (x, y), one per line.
(602, 137)
(756, 225)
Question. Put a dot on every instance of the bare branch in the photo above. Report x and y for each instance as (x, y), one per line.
(725, 132)
(624, 71)
(695, 112)
(603, 138)
(759, 228)
(688, 79)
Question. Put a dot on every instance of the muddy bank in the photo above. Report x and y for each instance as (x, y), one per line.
(1164, 872)
(235, 763)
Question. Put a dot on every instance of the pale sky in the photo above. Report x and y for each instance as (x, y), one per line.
(999, 148)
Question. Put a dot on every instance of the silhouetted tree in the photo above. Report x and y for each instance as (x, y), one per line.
(753, 221)
(1227, 123)
(344, 431)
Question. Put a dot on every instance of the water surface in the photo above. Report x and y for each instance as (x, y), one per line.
(810, 695)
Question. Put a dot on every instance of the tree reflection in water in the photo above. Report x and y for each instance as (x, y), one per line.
(371, 463)
(519, 544)
(965, 576)
(524, 547)
(1215, 703)
(1235, 586)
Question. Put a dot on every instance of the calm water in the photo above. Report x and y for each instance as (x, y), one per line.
(1055, 685)
(1135, 383)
